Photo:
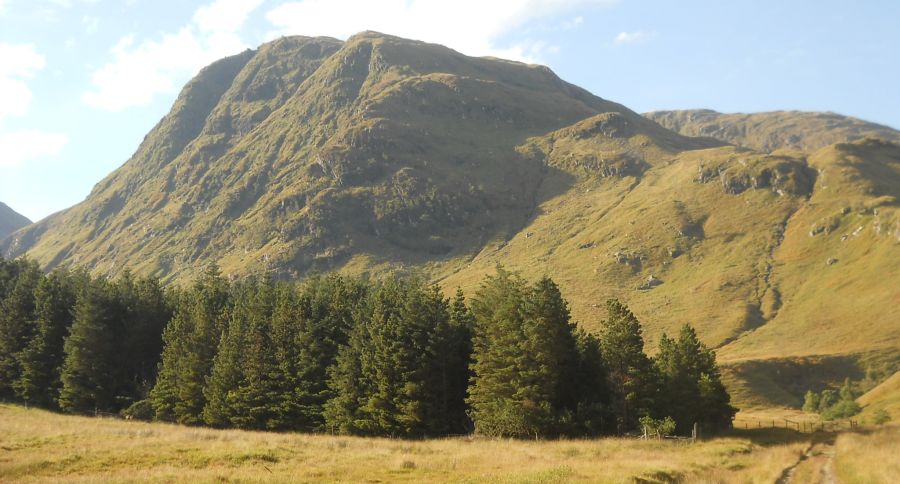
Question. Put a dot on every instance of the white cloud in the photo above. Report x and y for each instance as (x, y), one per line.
(224, 15)
(18, 63)
(90, 23)
(141, 70)
(69, 3)
(3, 6)
(17, 147)
(636, 37)
(474, 27)
(574, 23)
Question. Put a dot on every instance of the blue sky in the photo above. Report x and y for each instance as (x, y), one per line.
(82, 81)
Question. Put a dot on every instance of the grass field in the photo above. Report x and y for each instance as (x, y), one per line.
(873, 457)
(37, 446)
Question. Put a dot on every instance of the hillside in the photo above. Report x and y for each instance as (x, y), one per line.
(883, 397)
(307, 152)
(793, 130)
(382, 154)
(10, 220)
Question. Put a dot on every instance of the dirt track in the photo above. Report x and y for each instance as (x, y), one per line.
(816, 465)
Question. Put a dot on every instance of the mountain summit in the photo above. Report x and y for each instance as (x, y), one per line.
(773, 234)
(10, 220)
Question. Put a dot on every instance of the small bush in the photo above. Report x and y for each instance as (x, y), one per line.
(140, 410)
(881, 417)
(659, 428)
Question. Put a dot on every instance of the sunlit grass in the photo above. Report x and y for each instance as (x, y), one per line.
(868, 457)
(42, 446)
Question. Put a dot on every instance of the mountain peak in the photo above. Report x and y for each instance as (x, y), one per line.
(10, 221)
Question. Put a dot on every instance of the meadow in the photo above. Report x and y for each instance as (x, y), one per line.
(40, 446)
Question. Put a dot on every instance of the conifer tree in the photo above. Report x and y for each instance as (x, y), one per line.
(548, 360)
(322, 321)
(191, 339)
(165, 395)
(90, 376)
(592, 412)
(17, 325)
(458, 363)
(526, 359)
(346, 384)
(693, 391)
(286, 311)
(496, 350)
(632, 377)
(393, 377)
(226, 373)
(146, 313)
(253, 403)
(42, 359)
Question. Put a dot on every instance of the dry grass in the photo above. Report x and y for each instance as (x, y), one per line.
(868, 457)
(42, 446)
(885, 396)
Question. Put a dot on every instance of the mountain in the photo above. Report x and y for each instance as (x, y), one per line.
(383, 154)
(10, 220)
(767, 132)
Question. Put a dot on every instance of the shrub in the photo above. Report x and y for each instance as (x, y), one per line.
(881, 417)
(140, 410)
(841, 409)
(659, 428)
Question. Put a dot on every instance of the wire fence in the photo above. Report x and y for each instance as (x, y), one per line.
(799, 426)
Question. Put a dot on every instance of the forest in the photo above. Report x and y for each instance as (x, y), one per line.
(340, 354)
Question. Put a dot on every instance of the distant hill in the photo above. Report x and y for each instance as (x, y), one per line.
(767, 132)
(10, 221)
(777, 235)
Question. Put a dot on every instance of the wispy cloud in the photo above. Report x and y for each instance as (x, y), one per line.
(574, 23)
(140, 70)
(19, 63)
(636, 37)
(90, 23)
(448, 23)
(21, 146)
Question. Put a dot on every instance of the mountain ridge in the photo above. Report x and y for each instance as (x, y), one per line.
(10, 220)
(773, 130)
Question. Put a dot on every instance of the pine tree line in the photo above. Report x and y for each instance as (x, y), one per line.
(345, 355)
(72, 342)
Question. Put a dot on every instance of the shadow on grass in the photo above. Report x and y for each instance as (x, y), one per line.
(768, 437)
(777, 436)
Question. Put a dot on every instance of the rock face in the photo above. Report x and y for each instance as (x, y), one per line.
(381, 154)
(10, 221)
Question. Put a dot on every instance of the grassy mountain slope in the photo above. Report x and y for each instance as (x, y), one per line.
(766, 132)
(380, 146)
(839, 254)
(10, 220)
(383, 154)
(885, 396)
